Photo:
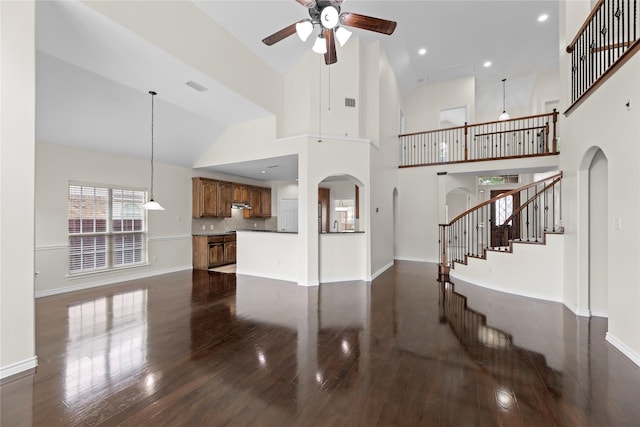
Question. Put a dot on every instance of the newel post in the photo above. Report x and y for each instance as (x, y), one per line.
(555, 139)
(466, 133)
(443, 268)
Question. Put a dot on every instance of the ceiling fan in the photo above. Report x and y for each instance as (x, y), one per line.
(326, 14)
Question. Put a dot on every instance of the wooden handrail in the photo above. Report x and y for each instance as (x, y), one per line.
(509, 131)
(531, 199)
(502, 195)
(635, 48)
(584, 26)
(516, 119)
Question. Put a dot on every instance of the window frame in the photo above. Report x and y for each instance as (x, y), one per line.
(110, 234)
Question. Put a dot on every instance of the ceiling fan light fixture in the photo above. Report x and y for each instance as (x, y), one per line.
(320, 45)
(304, 29)
(329, 17)
(343, 35)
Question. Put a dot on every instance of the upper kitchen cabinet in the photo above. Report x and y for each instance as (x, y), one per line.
(210, 198)
(240, 193)
(224, 199)
(265, 202)
(260, 201)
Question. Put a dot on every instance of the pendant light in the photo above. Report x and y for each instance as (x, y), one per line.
(504, 115)
(152, 205)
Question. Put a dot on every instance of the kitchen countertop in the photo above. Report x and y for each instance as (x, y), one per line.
(211, 233)
(267, 231)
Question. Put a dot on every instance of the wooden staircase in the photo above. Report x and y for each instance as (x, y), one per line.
(523, 215)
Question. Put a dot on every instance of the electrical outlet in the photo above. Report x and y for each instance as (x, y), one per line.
(255, 224)
(204, 227)
(211, 227)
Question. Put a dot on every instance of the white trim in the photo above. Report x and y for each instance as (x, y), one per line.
(18, 367)
(384, 268)
(575, 310)
(431, 261)
(624, 349)
(327, 137)
(597, 313)
(510, 291)
(110, 281)
(167, 238)
(65, 246)
(51, 247)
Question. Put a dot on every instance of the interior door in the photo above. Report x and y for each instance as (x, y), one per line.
(501, 230)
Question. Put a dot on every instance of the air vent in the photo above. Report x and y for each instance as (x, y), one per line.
(196, 86)
(349, 102)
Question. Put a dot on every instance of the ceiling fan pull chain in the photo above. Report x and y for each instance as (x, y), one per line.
(329, 87)
(320, 100)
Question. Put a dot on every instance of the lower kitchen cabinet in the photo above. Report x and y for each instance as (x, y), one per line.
(213, 251)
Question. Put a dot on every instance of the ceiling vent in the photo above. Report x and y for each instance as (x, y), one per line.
(196, 86)
(349, 102)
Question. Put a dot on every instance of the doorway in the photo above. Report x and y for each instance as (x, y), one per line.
(503, 227)
(598, 235)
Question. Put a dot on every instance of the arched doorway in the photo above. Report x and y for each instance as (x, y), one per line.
(598, 235)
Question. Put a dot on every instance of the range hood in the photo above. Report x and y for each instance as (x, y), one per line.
(240, 205)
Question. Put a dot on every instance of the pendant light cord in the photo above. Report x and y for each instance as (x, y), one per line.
(153, 94)
(504, 96)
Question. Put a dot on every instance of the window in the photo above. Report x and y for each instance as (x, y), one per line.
(107, 227)
(498, 179)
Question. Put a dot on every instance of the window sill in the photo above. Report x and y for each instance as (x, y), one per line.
(106, 271)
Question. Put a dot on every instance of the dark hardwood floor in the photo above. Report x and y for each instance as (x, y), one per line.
(212, 349)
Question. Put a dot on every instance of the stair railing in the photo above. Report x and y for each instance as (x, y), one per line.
(506, 139)
(524, 214)
(606, 40)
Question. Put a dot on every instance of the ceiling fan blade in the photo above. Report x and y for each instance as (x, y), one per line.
(307, 3)
(280, 35)
(367, 23)
(330, 57)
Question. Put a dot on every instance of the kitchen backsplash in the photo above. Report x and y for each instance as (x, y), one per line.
(236, 222)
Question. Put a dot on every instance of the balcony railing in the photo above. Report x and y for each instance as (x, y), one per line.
(515, 138)
(607, 39)
(521, 215)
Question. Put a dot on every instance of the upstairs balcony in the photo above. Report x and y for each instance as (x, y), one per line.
(520, 137)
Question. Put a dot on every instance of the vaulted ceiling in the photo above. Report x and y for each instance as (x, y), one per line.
(93, 74)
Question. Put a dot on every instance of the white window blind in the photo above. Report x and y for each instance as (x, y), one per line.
(107, 227)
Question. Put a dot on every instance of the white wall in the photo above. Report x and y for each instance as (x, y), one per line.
(506, 271)
(603, 121)
(422, 107)
(17, 164)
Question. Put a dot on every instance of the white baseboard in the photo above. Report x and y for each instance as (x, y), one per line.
(18, 367)
(635, 358)
(429, 260)
(598, 313)
(382, 270)
(575, 310)
(110, 281)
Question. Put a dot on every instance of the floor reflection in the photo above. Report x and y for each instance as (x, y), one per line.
(220, 349)
(515, 370)
(107, 340)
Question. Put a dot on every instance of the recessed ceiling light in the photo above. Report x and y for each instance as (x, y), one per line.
(543, 17)
(487, 64)
(263, 171)
(422, 51)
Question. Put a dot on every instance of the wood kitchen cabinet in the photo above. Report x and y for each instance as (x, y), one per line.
(260, 200)
(324, 209)
(213, 251)
(224, 199)
(210, 198)
(204, 197)
(265, 202)
(240, 193)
